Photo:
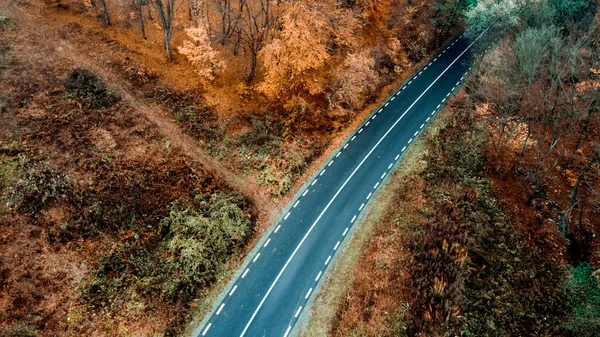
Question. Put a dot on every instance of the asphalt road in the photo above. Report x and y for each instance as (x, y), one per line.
(279, 278)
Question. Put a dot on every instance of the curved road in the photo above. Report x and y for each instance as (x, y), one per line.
(278, 279)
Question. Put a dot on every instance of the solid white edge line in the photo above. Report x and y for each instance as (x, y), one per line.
(245, 272)
(346, 182)
(328, 259)
(256, 257)
(266, 243)
(233, 290)
(220, 308)
(206, 329)
(308, 293)
(336, 245)
(298, 312)
(345, 231)
(318, 276)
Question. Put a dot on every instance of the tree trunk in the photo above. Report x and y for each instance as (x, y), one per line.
(149, 11)
(138, 7)
(105, 13)
(253, 64)
(168, 47)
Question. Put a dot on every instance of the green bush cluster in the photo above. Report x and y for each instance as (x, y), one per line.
(87, 87)
(191, 247)
(583, 298)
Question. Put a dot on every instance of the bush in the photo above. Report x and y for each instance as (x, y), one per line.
(84, 85)
(583, 298)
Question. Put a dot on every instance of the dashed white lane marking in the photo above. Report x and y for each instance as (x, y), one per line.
(345, 231)
(361, 129)
(393, 98)
(345, 146)
(322, 172)
(298, 312)
(404, 148)
(439, 105)
(410, 141)
(433, 113)
(353, 138)
(420, 72)
(353, 218)
(328, 259)
(386, 104)
(410, 82)
(422, 125)
(276, 229)
(398, 156)
(266, 295)
(361, 207)
(314, 182)
(206, 329)
(296, 204)
(287, 216)
(318, 276)
(435, 59)
(427, 66)
(338, 154)
(220, 308)
(331, 162)
(416, 133)
(308, 293)
(369, 122)
(428, 118)
(287, 332)
(245, 272)
(448, 95)
(390, 166)
(374, 116)
(454, 87)
(369, 196)
(383, 175)
(376, 185)
(305, 193)
(457, 83)
(233, 290)
(256, 257)
(267, 243)
(336, 246)
(443, 100)
(380, 110)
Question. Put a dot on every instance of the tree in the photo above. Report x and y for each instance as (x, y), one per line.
(200, 53)
(105, 15)
(166, 12)
(256, 24)
(137, 7)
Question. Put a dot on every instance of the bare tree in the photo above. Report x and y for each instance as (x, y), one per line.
(166, 12)
(137, 7)
(254, 32)
(105, 15)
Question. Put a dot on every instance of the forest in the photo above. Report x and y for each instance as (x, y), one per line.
(147, 145)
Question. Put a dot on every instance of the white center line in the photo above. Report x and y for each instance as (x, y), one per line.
(267, 243)
(298, 312)
(346, 182)
(220, 308)
(318, 276)
(308, 293)
(276, 229)
(336, 246)
(233, 290)
(353, 218)
(286, 216)
(245, 272)
(256, 257)
(328, 259)
(345, 231)
(206, 330)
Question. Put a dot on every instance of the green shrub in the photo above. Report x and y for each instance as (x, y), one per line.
(20, 330)
(86, 86)
(583, 298)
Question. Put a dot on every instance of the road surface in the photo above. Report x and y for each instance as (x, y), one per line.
(279, 278)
